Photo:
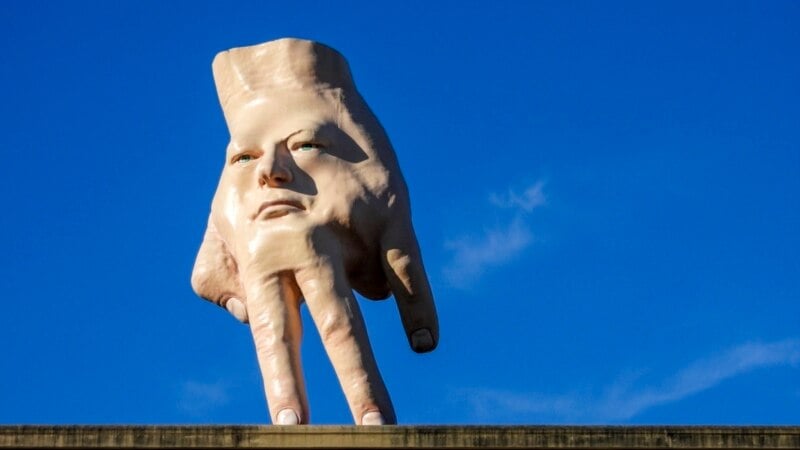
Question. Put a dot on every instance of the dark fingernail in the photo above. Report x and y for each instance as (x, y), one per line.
(422, 340)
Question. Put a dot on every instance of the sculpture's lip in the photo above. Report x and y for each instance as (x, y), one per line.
(278, 208)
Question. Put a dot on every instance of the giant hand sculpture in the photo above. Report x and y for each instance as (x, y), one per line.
(310, 204)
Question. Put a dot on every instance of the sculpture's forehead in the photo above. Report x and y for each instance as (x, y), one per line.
(281, 113)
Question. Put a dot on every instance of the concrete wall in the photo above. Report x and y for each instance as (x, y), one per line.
(341, 437)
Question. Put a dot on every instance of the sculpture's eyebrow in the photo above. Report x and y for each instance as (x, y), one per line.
(310, 131)
(294, 133)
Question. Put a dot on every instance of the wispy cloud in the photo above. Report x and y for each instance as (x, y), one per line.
(199, 398)
(527, 200)
(497, 404)
(625, 399)
(473, 255)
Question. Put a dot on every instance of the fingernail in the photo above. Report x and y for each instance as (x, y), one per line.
(237, 308)
(288, 417)
(422, 340)
(372, 418)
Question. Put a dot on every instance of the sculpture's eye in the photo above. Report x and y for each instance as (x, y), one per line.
(243, 159)
(308, 146)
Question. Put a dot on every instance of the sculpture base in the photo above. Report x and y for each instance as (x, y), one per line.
(386, 437)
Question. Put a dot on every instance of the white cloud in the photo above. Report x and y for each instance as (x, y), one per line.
(623, 399)
(702, 375)
(496, 404)
(529, 199)
(198, 398)
(472, 256)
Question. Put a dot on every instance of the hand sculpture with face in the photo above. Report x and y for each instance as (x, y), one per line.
(310, 205)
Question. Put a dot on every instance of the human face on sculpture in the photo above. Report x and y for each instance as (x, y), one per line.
(289, 169)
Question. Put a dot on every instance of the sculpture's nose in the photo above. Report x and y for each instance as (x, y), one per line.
(274, 168)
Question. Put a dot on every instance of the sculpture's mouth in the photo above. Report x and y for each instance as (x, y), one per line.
(278, 208)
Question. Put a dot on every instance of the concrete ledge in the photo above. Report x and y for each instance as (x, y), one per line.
(348, 437)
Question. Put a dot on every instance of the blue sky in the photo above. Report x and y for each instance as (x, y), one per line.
(607, 196)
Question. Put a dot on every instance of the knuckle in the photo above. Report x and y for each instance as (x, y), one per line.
(334, 328)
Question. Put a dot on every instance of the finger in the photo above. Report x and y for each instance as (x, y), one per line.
(402, 262)
(341, 327)
(215, 276)
(274, 309)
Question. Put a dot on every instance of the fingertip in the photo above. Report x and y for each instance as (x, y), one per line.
(373, 418)
(422, 341)
(237, 308)
(287, 417)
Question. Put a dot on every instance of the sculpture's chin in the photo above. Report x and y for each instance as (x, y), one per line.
(284, 238)
(274, 245)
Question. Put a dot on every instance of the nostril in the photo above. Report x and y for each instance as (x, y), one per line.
(274, 179)
(280, 175)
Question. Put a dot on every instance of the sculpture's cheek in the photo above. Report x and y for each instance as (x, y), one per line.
(231, 207)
